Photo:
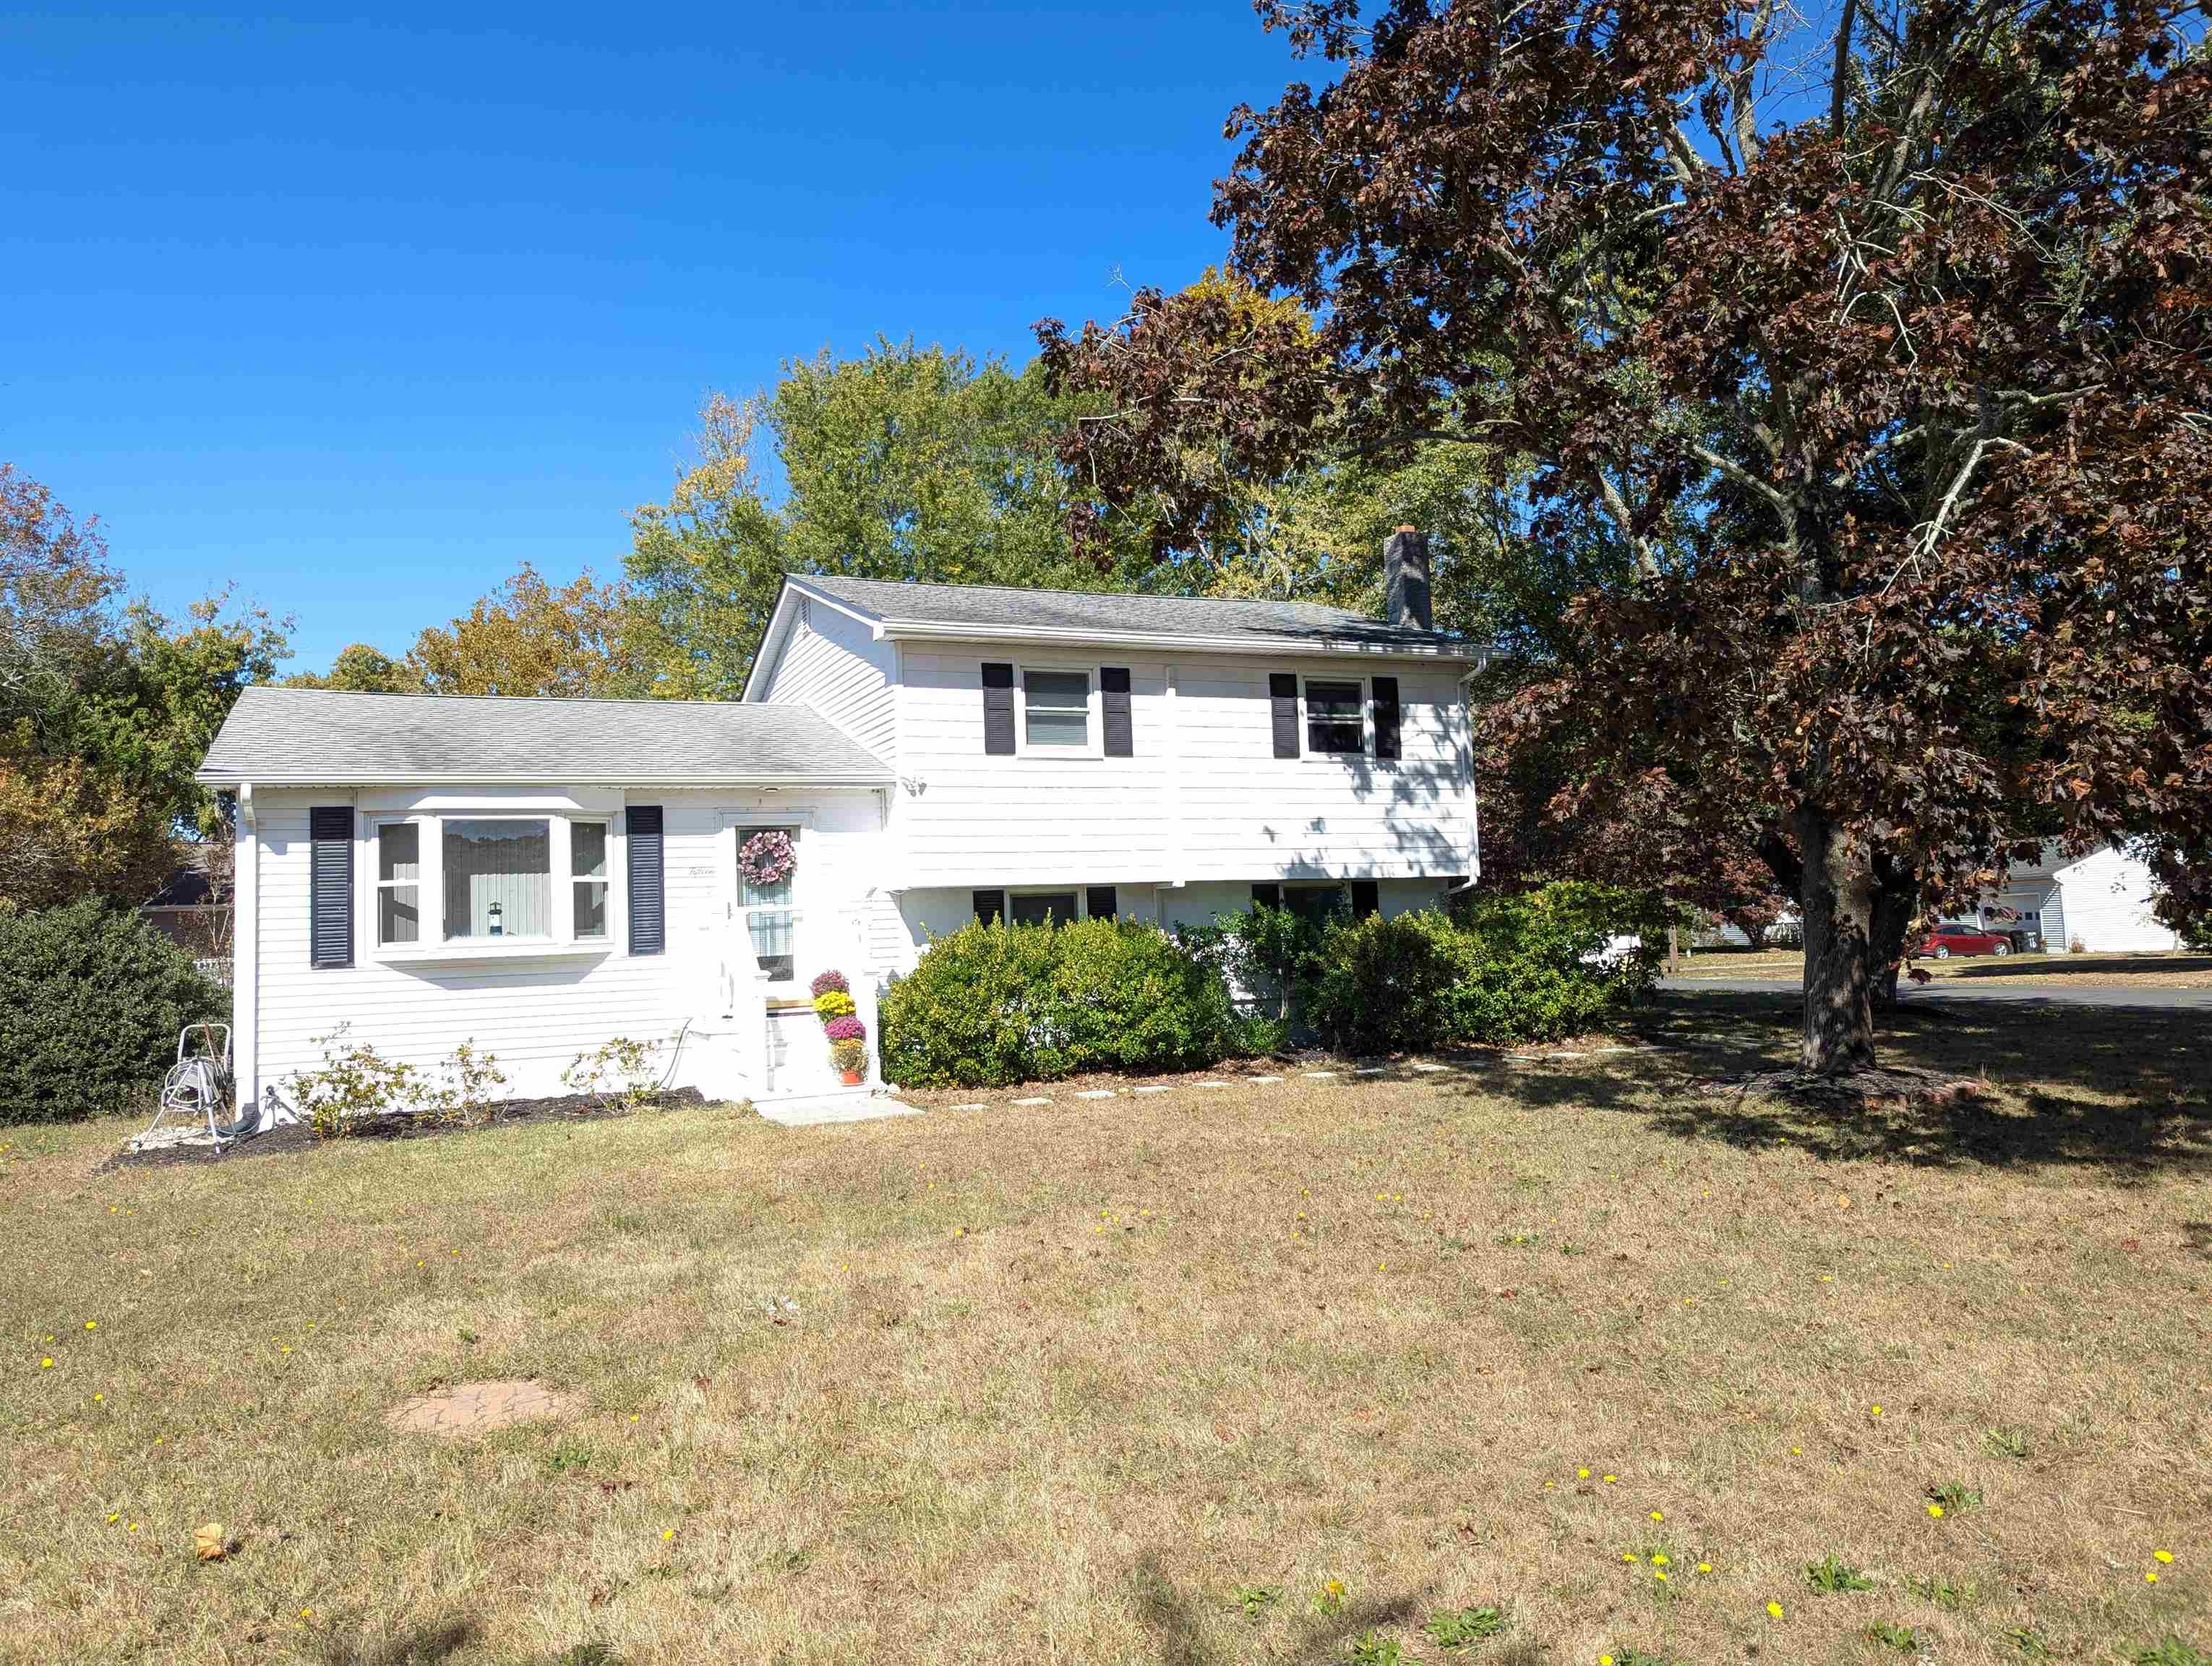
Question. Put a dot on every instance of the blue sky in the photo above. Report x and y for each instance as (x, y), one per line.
(358, 313)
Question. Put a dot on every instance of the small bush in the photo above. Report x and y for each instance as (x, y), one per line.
(992, 1005)
(356, 1083)
(1532, 966)
(91, 1001)
(620, 1072)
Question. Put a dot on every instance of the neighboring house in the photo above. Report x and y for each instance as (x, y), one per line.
(2102, 900)
(192, 909)
(539, 877)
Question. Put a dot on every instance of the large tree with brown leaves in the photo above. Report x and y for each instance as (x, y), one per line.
(1873, 352)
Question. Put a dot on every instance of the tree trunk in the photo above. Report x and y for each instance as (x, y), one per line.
(1892, 912)
(1839, 892)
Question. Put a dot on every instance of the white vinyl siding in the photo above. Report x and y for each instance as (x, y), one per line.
(536, 1012)
(831, 661)
(1203, 796)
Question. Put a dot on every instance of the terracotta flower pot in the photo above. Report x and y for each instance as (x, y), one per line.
(852, 1078)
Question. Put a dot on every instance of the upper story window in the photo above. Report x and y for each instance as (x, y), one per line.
(1336, 720)
(1056, 710)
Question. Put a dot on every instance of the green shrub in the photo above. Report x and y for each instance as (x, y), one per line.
(1274, 954)
(996, 1004)
(91, 1001)
(1499, 968)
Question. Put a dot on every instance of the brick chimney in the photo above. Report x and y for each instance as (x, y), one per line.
(1406, 580)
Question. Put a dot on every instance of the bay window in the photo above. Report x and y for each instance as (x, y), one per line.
(488, 882)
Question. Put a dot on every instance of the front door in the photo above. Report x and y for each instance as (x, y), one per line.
(768, 854)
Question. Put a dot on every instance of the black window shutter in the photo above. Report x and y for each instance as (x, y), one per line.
(1283, 696)
(1366, 899)
(648, 888)
(1269, 894)
(999, 710)
(330, 885)
(1386, 717)
(989, 906)
(1102, 903)
(1114, 700)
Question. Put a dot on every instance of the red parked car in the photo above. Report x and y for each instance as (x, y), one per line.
(1949, 940)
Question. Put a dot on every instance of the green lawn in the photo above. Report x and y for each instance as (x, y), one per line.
(1084, 1383)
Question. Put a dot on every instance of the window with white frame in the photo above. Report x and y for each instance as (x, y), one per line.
(399, 883)
(588, 842)
(469, 881)
(1336, 715)
(1055, 710)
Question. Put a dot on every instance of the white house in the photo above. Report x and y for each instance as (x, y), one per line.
(2102, 900)
(540, 877)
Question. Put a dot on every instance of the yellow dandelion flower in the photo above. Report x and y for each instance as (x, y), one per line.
(1876, 1410)
(1660, 1574)
(1582, 1474)
(1936, 1510)
(1659, 1558)
(1775, 1608)
(114, 1516)
(133, 1528)
(667, 1533)
(1796, 1451)
(92, 1324)
(1605, 1660)
(2166, 1556)
(46, 1363)
(98, 1398)
(1629, 1556)
(1705, 1567)
(1613, 1477)
(2150, 1578)
(1658, 1516)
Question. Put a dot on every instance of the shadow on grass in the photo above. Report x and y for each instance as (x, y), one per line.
(1177, 1621)
(2125, 1089)
(425, 1645)
(2010, 967)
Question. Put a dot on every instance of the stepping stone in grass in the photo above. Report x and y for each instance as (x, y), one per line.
(1209, 1084)
(1431, 1069)
(1095, 1093)
(468, 1409)
(1319, 1075)
(1370, 1070)
(1155, 1087)
(1039, 1099)
(976, 1104)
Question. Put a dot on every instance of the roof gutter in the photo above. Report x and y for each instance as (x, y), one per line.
(540, 778)
(930, 629)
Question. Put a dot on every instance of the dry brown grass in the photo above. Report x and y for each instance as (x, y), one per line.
(1060, 1381)
(2058, 972)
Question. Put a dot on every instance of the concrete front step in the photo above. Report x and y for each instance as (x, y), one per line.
(845, 1105)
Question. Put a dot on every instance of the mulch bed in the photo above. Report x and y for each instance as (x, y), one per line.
(291, 1137)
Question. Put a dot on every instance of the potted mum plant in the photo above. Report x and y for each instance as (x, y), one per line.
(847, 1035)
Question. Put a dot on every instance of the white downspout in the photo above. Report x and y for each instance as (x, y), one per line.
(245, 951)
(1474, 801)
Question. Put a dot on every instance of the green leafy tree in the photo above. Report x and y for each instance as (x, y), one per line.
(1886, 409)
(361, 669)
(530, 637)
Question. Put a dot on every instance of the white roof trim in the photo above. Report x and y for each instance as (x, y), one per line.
(476, 778)
(1262, 647)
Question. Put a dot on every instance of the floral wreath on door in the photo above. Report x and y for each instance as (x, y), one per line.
(767, 858)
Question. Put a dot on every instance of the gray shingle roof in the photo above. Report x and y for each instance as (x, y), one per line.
(989, 609)
(275, 735)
